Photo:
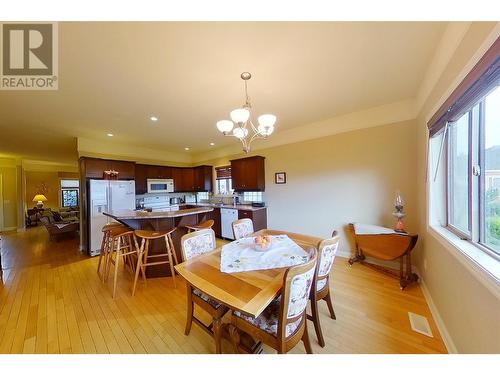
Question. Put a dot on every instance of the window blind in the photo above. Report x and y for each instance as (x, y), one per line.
(482, 79)
(223, 172)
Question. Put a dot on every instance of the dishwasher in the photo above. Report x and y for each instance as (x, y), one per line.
(227, 216)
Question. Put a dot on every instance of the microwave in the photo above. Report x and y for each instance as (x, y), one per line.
(160, 185)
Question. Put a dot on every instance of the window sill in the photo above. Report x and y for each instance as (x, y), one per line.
(483, 266)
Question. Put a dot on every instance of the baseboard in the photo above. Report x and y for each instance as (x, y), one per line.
(443, 331)
(9, 229)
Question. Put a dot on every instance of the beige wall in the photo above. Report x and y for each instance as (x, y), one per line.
(341, 178)
(470, 311)
(34, 179)
(9, 196)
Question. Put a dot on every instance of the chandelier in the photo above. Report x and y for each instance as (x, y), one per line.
(241, 123)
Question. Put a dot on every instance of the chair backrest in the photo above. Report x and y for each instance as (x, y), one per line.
(297, 284)
(242, 228)
(197, 243)
(326, 255)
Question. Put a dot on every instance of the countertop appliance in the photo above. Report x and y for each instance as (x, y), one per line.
(227, 216)
(105, 196)
(159, 203)
(160, 185)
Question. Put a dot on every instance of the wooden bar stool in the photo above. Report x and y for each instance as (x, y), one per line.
(105, 244)
(121, 245)
(203, 225)
(143, 253)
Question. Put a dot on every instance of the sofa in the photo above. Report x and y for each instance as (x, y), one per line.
(56, 229)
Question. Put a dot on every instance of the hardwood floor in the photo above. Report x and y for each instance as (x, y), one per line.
(52, 301)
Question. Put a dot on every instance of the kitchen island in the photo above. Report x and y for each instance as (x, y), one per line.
(162, 221)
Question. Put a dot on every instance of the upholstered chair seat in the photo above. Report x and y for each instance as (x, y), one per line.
(268, 320)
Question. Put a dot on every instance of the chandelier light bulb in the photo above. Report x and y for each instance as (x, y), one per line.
(267, 120)
(240, 132)
(265, 130)
(225, 126)
(240, 115)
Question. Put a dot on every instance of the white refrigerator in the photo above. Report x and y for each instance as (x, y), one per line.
(106, 196)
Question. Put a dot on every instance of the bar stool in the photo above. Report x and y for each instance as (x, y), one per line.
(120, 239)
(143, 253)
(204, 225)
(103, 253)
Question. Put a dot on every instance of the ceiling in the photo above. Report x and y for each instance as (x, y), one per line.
(113, 76)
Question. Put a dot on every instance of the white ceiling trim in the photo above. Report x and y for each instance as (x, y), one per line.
(386, 114)
(112, 149)
(451, 39)
(488, 42)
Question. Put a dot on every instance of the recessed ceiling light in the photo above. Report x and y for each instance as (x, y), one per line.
(212, 144)
(153, 118)
(186, 148)
(110, 135)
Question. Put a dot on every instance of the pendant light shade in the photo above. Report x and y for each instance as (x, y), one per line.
(224, 126)
(240, 115)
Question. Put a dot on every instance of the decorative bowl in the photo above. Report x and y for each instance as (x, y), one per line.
(262, 243)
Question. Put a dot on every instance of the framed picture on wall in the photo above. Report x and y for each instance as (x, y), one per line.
(280, 178)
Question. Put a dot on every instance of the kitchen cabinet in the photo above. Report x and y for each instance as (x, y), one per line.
(258, 217)
(203, 178)
(94, 168)
(144, 171)
(248, 174)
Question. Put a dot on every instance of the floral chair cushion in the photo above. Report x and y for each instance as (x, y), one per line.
(299, 293)
(206, 298)
(268, 320)
(321, 284)
(326, 259)
(243, 229)
(198, 245)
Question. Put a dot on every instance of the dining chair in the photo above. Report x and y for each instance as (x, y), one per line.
(242, 228)
(326, 255)
(195, 244)
(283, 323)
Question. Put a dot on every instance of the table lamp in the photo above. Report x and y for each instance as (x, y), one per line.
(39, 199)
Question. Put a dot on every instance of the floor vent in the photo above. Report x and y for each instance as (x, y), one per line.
(420, 324)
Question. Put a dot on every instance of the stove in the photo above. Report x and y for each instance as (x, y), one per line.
(159, 203)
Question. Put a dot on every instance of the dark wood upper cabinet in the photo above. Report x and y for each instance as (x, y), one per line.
(186, 179)
(248, 174)
(203, 178)
(94, 168)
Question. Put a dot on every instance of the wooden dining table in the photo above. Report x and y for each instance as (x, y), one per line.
(249, 292)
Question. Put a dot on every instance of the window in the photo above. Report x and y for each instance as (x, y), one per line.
(490, 181)
(252, 196)
(224, 183)
(70, 193)
(202, 195)
(466, 197)
(473, 170)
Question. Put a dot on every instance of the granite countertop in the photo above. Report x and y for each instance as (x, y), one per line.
(245, 207)
(132, 214)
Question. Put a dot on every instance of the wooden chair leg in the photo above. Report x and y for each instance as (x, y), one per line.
(305, 338)
(170, 260)
(108, 258)
(328, 300)
(138, 267)
(217, 335)
(316, 321)
(190, 310)
(117, 262)
(101, 255)
(173, 248)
